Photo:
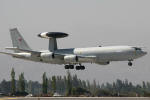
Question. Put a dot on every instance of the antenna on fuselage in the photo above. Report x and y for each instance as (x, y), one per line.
(52, 36)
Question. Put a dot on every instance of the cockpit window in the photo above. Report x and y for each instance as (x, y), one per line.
(136, 48)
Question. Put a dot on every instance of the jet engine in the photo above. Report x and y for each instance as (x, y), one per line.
(71, 58)
(24, 55)
(47, 56)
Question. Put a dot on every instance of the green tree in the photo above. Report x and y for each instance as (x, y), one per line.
(30, 88)
(5, 87)
(21, 83)
(88, 85)
(13, 82)
(144, 85)
(69, 84)
(94, 88)
(45, 83)
(75, 82)
(54, 83)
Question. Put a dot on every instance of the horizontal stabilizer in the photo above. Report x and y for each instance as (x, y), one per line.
(22, 50)
(33, 53)
(11, 48)
(10, 54)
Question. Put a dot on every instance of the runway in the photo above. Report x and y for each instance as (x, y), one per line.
(76, 98)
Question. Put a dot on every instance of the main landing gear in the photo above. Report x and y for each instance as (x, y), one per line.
(69, 66)
(80, 67)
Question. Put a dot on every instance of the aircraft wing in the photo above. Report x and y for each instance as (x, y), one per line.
(87, 58)
(57, 55)
(90, 57)
(79, 56)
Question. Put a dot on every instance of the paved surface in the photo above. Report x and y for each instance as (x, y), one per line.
(75, 98)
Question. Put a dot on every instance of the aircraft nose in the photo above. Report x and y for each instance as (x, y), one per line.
(39, 35)
(144, 52)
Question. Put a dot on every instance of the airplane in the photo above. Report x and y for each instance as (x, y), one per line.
(71, 58)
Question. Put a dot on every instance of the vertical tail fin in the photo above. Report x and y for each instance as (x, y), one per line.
(17, 40)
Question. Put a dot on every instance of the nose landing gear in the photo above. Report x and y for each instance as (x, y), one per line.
(130, 63)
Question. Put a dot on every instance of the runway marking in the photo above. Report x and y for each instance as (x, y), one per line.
(8, 98)
(11, 98)
(3, 99)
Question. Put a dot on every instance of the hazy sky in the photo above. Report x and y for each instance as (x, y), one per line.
(89, 23)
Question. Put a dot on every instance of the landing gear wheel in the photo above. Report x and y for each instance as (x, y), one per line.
(82, 67)
(130, 64)
(66, 66)
(77, 67)
(69, 66)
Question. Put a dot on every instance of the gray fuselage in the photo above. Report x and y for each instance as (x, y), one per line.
(94, 54)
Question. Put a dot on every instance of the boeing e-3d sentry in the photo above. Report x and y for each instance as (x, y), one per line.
(73, 57)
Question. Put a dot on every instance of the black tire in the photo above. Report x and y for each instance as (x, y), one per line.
(77, 67)
(66, 66)
(130, 64)
(71, 66)
(82, 67)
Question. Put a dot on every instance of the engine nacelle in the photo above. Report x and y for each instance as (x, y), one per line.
(71, 58)
(24, 55)
(103, 63)
(47, 56)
